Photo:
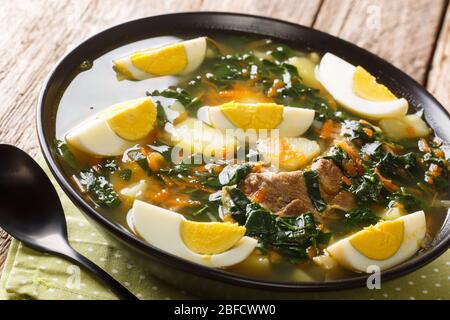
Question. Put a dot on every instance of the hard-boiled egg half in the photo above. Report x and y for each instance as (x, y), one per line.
(291, 122)
(385, 244)
(173, 59)
(357, 90)
(213, 244)
(115, 129)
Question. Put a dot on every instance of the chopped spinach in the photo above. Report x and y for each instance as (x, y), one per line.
(233, 174)
(312, 185)
(354, 220)
(161, 117)
(189, 102)
(358, 130)
(211, 204)
(64, 152)
(137, 156)
(180, 170)
(366, 188)
(403, 167)
(209, 179)
(108, 166)
(230, 175)
(338, 155)
(409, 201)
(99, 188)
(281, 52)
(441, 181)
(125, 174)
(372, 149)
(289, 236)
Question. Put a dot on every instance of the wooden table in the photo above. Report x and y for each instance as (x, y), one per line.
(414, 35)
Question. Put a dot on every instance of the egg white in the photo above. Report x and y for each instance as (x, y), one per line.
(295, 121)
(161, 228)
(414, 232)
(195, 53)
(336, 75)
(94, 136)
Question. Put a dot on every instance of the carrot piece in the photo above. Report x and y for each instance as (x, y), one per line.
(161, 196)
(439, 153)
(327, 129)
(346, 180)
(435, 170)
(233, 94)
(353, 154)
(350, 168)
(259, 195)
(156, 161)
(368, 131)
(388, 184)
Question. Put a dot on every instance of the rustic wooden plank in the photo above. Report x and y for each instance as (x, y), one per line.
(5, 240)
(438, 82)
(402, 31)
(301, 12)
(35, 34)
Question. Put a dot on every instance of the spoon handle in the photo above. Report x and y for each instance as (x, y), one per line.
(116, 287)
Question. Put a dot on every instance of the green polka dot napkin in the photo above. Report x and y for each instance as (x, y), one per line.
(32, 275)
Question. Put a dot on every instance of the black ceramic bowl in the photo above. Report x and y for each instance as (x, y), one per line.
(193, 277)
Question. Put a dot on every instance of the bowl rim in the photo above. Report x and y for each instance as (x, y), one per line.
(190, 267)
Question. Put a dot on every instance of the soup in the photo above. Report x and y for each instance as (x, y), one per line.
(253, 156)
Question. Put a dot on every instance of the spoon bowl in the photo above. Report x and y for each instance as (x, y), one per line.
(30, 211)
(29, 204)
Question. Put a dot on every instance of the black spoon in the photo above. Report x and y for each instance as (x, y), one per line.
(30, 211)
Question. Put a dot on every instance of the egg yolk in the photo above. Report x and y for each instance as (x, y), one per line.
(210, 237)
(365, 86)
(253, 116)
(132, 120)
(164, 61)
(381, 241)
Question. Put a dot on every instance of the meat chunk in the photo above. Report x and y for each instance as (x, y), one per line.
(330, 177)
(344, 200)
(285, 193)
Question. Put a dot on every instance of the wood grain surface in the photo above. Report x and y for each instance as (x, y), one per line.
(414, 35)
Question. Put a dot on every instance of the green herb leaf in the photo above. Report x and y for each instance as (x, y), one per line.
(409, 201)
(140, 159)
(233, 174)
(289, 236)
(64, 152)
(230, 175)
(99, 188)
(125, 174)
(355, 220)
(312, 185)
(366, 188)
